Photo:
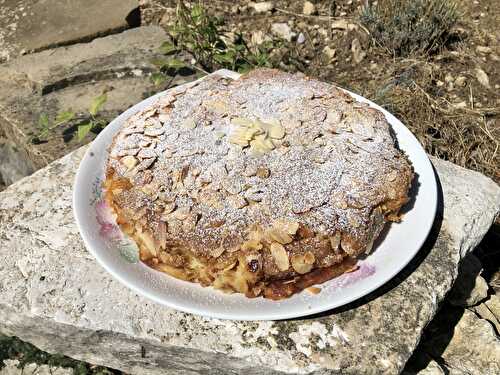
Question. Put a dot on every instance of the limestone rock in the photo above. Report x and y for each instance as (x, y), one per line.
(357, 51)
(470, 287)
(35, 25)
(55, 295)
(474, 347)
(262, 7)
(490, 310)
(301, 38)
(329, 52)
(283, 31)
(68, 78)
(309, 8)
(482, 77)
(432, 368)
(421, 363)
(13, 164)
(11, 368)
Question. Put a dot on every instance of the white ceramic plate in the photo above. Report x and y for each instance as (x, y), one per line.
(118, 255)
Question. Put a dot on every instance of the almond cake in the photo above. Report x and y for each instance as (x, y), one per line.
(264, 185)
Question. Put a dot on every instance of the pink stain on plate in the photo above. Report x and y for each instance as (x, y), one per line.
(365, 270)
(108, 227)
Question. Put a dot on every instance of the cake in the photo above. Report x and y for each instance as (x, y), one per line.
(264, 185)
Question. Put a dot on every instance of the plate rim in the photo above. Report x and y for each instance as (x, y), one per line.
(78, 215)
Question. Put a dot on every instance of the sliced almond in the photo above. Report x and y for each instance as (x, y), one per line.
(182, 213)
(240, 121)
(251, 245)
(146, 153)
(278, 235)
(301, 263)
(280, 256)
(129, 161)
(276, 131)
(289, 227)
(313, 290)
(217, 106)
(261, 145)
(263, 172)
(335, 241)
(237, 201)
(189, 123)
(129, 152)
(153, 132)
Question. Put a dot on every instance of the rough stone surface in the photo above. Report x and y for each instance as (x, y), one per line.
(13, 163)
(11, 368)
(68, 78)
(470, 287)
(422, 364)
(27, 25)
(490, 310)
(474, 347)
(53, 294)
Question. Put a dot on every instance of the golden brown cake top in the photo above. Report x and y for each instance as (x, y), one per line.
(220, 158)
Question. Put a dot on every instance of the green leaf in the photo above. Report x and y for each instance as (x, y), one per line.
(83, 130)
(176, 64)
(157, 78)
(167, 48)
(43, 121)
(97, 103)
(196, 11)
(64, 116)
(160, 63)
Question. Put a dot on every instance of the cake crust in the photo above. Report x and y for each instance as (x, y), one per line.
(256, 183)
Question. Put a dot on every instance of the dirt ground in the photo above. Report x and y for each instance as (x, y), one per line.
(444, 98)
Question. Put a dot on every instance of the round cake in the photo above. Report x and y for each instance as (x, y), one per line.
(264, 185)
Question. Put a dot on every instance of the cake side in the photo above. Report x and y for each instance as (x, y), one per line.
(260, 180)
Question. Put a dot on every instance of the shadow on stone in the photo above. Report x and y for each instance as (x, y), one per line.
(405, 272)
(435, 339)
(134, 18)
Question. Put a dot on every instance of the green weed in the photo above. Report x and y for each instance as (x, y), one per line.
(201, 34)
(46, 125)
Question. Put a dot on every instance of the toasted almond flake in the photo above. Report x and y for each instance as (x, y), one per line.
(280, 256)
(299, 264)
(241, 122)
(251, 245)
(189, 123)
(278, 235)
(146, 153)
(335, 241)
(217, 106)
(152, 132)
(129, 162)
(145, 164)
(169, 207)
(276, 131)
(263, 172)
(309, 258)
(237, 201)
(313, 290)
(127, 152)
(182, 213)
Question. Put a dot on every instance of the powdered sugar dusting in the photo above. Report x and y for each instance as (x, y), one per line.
(336, 163)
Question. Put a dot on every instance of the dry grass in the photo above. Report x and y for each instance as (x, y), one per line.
(407, 26)
(467, 136)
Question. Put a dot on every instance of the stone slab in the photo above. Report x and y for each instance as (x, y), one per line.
(27, 25)
(54, 295)
(68, 78)
(11, 368)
